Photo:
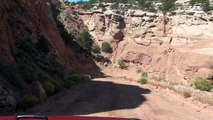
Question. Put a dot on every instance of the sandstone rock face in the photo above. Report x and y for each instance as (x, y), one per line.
(175, 48)
(21, 19)
(38, 17)
(107, 26)
(72, 22)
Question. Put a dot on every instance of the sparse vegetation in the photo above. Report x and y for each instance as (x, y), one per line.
(144, 78)
(43, 45)
(96, 49)
(205, 4)
(187, 94)
(155, 78)
(49, 88)
(75, 78)
(85, 40)
(28, 102)
(121, 64)
(203, 84)
(58, 85)
(86, 5)
(146, 5)
(106, 47)
(167, 6)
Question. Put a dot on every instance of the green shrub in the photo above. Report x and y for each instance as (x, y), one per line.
(85, 40)
(87, 5)
(121, 64)
(49, 88)
(73, 79)
(86, 77)
(57, 84)
(68, 83)
(205, 4)
(146, 5)
(28, 102)
(43, 45)
(96, 49)
(203, 84)
(106, 47)
(167, 6)
(187, 94)
(154, 78)
(144, 78)
(144, 74)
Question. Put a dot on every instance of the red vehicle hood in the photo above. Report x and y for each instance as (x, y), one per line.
(63, 118)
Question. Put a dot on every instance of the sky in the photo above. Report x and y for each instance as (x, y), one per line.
(76, 0)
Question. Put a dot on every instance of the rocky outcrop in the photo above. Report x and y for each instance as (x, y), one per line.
(71, 21)
(24, 22)
(110, 26)
(169, 47)
(35, 89)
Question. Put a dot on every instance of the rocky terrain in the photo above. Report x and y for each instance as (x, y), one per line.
(176, 48)
(44, 42)
(34, 46)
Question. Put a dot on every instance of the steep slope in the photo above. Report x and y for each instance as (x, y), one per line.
(33, 50)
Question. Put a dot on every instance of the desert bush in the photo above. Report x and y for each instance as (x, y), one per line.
(28, 102)
(203, 84)
(144, 74)
(144, 78)
(68, 83)
(154, 78)
(96, 49)
(87, 5)
(205, 4)
(76, 78)
(43, 45)
(187, 94)
(85, 40)
(106, 47)
(58, 85)
(121, 64)
(49, 88)
(167, 6)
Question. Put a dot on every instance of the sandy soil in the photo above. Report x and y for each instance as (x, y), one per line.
(121, 98)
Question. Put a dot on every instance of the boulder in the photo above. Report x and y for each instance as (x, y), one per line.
(35, 89)
(109, 12)
(38, 90)
(137, 58)
(139, 13)
(90, 24)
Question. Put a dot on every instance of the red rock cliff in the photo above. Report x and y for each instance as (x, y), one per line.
(37, 15)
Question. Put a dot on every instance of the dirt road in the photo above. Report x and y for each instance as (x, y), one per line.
(121, 98)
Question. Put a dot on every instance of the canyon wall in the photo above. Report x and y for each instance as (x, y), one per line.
(176, 48)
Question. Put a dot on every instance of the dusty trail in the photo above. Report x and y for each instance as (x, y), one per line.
(121, 98)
